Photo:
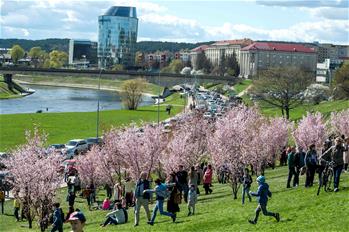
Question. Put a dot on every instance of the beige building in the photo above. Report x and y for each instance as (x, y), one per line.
(262, 55)
(217, 50)
(194, 55)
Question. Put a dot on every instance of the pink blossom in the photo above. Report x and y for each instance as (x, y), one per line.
(340, 122)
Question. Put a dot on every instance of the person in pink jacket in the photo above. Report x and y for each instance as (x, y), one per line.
(208, 179)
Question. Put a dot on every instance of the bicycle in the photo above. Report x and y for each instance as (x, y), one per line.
(326, 177)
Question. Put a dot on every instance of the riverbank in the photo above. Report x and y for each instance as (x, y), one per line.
(81, 82)
(62, 127)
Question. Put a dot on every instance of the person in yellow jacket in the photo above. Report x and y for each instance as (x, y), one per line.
(16, 206)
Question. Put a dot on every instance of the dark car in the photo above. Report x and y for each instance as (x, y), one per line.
(3, 156)
(94, 141)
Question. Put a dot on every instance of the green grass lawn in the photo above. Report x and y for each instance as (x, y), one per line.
(62, 127)
(295, 114)
(5, 92)
(90, 81)
(242, 85)
(300, 210)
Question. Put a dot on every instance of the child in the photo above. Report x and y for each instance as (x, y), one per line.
(192, 199)
(247, 181)
(161, 194)
(106, 204)
(263, 193)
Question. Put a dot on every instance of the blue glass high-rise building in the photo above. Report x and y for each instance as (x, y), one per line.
(117, 36)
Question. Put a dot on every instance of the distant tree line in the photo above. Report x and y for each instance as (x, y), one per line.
(63, 45)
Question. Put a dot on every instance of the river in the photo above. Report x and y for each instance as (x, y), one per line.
(64, 99)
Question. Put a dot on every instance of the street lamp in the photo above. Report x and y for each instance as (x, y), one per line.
(159, 98)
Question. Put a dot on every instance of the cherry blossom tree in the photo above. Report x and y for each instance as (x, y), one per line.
(34, 175)
(231, 144)
(311, 130)
(339, 122)
(141, 150)
(188, 144)
(87, 166)
(110, 160)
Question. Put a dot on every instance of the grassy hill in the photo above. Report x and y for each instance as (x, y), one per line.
(6, 93)
(300, 210)
(62, 127)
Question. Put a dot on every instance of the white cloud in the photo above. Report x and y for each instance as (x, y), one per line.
(78, 19)
(305, 3)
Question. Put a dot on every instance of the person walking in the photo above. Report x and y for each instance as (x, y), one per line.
(193, 177)
(182, 178)
(200, 176)
(16, 207)
(262, 195)
(246, 184)
(311, 164)
(174, 200)
(142, 199)
(291, 167)
(192, 199)
(161, 194)
(346, 155)
(337, 151)
(208, 179)
(57, 224)
(2, 199)
(71, 198)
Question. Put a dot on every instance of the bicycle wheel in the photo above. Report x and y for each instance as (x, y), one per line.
(329, 180)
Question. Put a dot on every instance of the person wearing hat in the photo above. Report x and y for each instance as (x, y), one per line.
(77, 221)
(262, 195)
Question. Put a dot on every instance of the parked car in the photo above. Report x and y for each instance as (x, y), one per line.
(3, 156)
(76, 146)
(208, 115)
(93, 141)
(59, 148)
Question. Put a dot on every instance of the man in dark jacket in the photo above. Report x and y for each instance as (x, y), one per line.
(311, 164)
(142, 199)
(291, 167)
(57, 219)
(262, 195)
(182, 177)
(337, 157)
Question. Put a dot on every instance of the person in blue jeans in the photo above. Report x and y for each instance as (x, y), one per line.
(246, 184)
(262, 195)
(161, 194)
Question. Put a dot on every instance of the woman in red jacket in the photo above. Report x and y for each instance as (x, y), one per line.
(208, 179)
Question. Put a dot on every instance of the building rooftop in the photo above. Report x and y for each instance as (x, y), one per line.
(243, 42)
(200, 48)
(282, 47)
(122, 11)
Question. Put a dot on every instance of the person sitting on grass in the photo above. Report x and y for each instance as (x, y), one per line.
(118, 216)
(106, 204)
(262, 195)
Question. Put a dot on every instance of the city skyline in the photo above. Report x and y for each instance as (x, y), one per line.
(183, 21)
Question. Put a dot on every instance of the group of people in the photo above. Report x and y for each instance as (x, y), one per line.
(310, 162)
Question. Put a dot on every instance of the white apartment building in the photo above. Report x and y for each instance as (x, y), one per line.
(225, 48)
(263, 55)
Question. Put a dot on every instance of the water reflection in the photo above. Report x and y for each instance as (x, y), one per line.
(63, 99)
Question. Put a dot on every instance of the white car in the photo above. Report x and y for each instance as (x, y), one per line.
(76, 146)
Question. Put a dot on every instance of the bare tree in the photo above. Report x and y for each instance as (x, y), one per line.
(132, 92)
(282, 87)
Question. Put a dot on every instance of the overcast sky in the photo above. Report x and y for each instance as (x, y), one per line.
(183, 21)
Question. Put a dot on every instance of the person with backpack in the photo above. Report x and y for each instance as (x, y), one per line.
(58, 217)
(262, 195)
(246, 185)
(161, 194)
(291, 167)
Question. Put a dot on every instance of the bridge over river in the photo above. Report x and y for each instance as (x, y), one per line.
(163, 79)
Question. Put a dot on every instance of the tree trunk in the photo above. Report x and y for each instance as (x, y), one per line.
(287, 112)
(282, 112)
(235, 187)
